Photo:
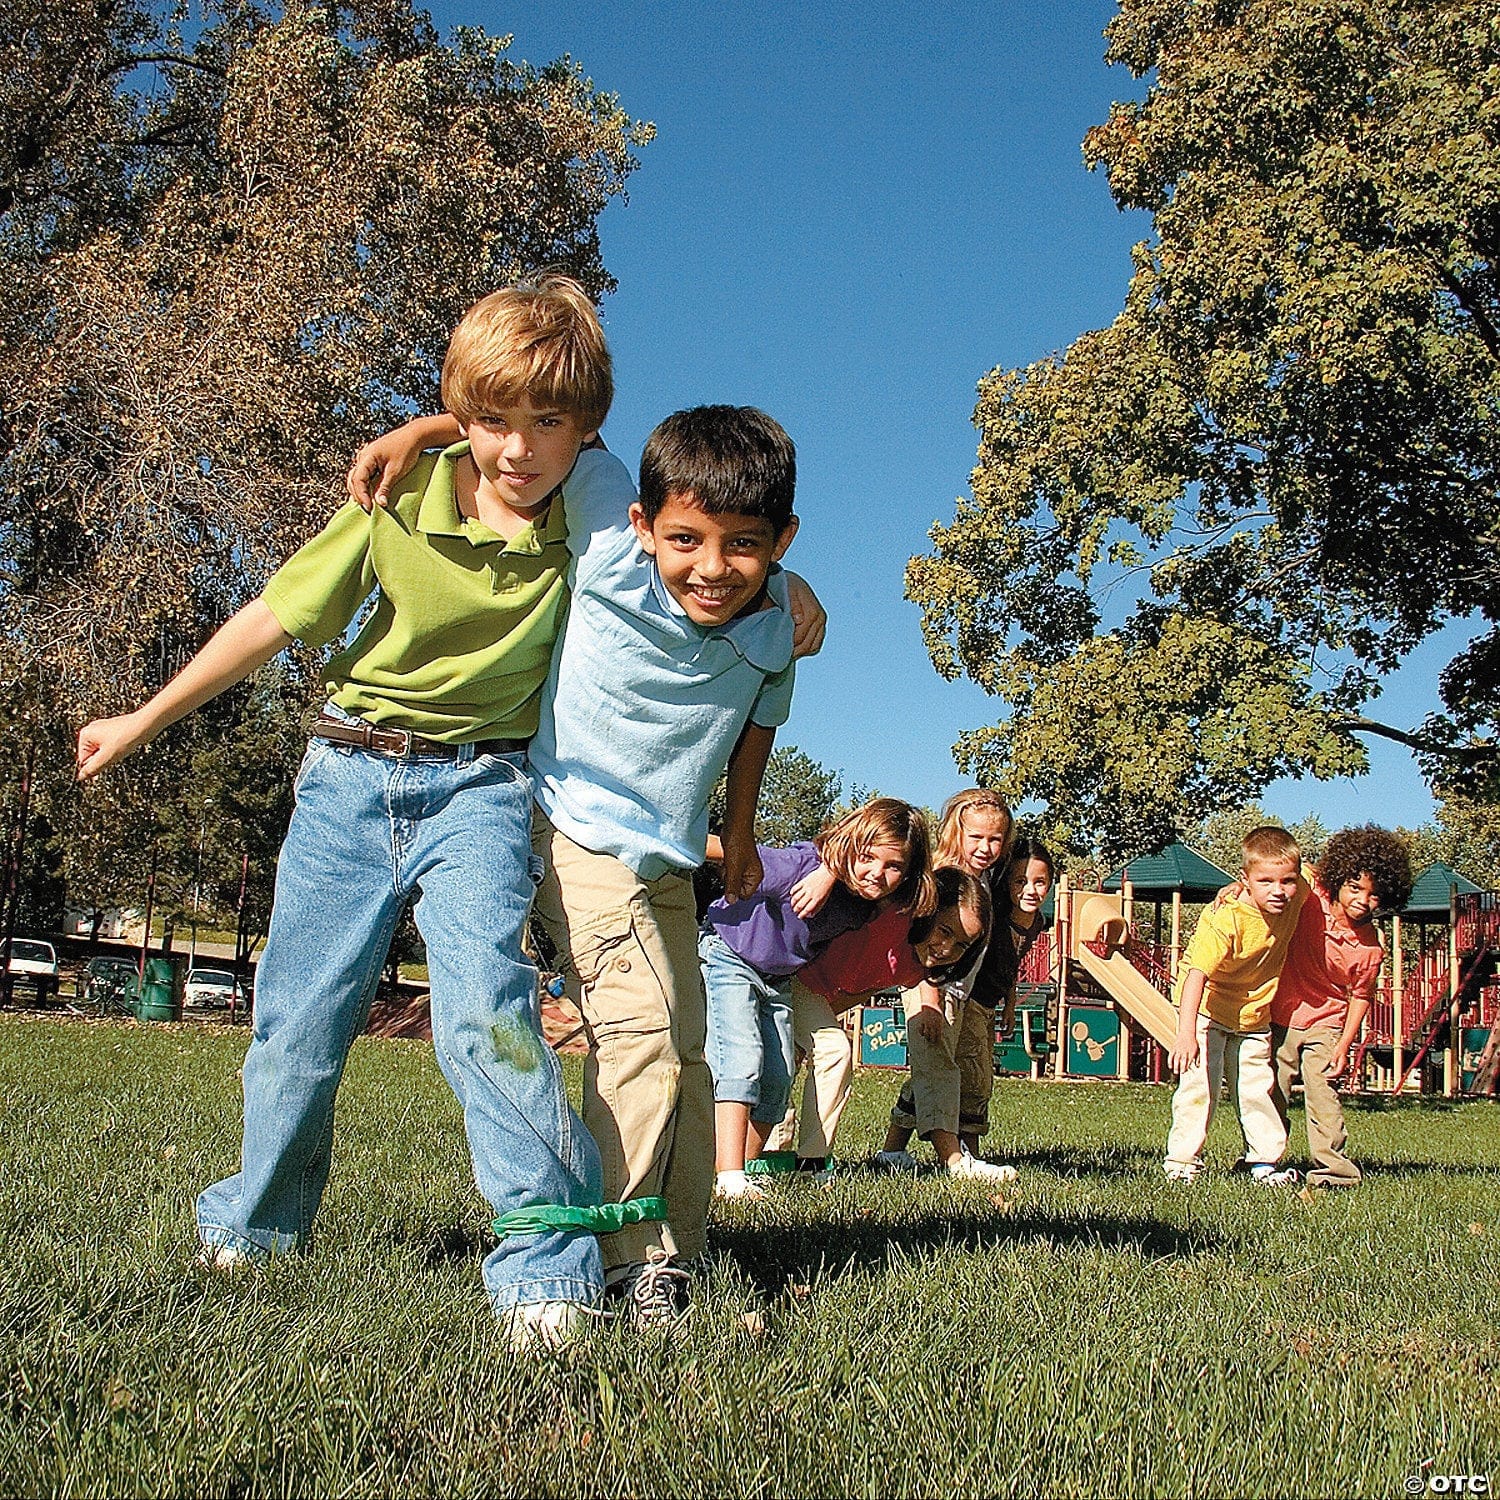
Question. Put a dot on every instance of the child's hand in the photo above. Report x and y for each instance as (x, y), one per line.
(927, 1022)
(809, 619)
(806, 898)
(743, 871)
(105, 741)
(1184, 1055)
(386, 459)
(1338, 1060)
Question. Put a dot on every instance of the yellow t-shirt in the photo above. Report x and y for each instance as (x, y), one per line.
(459, 642)
(1241, 952)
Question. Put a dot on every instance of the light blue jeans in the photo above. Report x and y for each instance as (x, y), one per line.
(367, 831)
(749, 1031)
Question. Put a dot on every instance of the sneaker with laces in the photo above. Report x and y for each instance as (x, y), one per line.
(1269, 1176)
(541, 1327)
(973, 1169)
(736, 1185)
(1175, 1173)
(653, 1293)
(895, 1161)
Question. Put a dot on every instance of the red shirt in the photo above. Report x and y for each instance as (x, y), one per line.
(1328, 964)
(877, 956)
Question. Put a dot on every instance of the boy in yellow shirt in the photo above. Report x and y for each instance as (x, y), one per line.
(1224, 998)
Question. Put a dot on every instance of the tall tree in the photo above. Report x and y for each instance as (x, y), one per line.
(1289, 437)
(233, 240)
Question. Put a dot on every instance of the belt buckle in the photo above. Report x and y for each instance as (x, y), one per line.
(404, 750)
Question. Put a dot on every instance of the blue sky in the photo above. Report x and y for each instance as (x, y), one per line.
(850, 214)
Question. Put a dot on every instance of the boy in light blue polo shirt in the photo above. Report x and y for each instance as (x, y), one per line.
(675, 664)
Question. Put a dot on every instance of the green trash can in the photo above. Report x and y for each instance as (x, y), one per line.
(161, 994)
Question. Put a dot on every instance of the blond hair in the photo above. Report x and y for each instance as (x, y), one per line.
(538, 341)
(884, 820)
(951, 827)
(1270, 845)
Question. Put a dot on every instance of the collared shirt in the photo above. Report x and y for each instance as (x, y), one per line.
(459, 641)
(644, 707)
(1328, 964)
(765, 931)
(877, 956)
(1241, 951)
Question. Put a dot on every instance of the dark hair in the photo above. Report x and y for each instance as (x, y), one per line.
(968, 893)
(731, 459)
(1023, 851)
(1372, 851)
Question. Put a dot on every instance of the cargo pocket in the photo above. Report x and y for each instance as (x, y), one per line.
(622, 988)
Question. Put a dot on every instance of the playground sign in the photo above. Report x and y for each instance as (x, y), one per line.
(882, 1037)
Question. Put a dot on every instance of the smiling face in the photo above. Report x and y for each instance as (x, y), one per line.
(524, 452)
(1270, 884)
(983, 835)
(953, 930)
(1030, 880)
(876, 872)
(713, 565)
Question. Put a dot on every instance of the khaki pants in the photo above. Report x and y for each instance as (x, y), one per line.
(929, 1101)
(1307, 1053)
(827, 1081)
(628, 953)
(1243, 1059)
(975, 1052)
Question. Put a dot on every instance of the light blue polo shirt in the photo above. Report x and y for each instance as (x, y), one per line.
(643, 707)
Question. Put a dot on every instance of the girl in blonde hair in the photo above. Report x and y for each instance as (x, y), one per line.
(877, 856)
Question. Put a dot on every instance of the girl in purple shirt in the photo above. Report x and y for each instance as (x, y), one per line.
(877, 855)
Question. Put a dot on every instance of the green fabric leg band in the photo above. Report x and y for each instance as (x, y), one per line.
(604, 1218)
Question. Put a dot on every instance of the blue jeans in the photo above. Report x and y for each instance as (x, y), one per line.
(749, 1031)
(367, 831)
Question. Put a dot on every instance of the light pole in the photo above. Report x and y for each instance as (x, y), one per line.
(198, 882)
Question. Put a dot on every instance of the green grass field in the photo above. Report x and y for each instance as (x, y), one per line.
(1095, 1331)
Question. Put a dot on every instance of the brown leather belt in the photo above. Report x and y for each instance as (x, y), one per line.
(402, 743)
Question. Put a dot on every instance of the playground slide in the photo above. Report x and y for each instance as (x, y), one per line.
(1133, 993)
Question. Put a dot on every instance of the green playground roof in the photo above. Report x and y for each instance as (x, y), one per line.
(1176, 868)
(1429, 894)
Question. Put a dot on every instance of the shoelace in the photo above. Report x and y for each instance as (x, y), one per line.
(651, 1292)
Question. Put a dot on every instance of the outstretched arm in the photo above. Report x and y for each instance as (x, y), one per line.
(244, 642)
(386, 458)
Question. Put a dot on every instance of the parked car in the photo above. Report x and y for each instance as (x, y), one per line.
(110, 984)
(214, 987)
(33, 956)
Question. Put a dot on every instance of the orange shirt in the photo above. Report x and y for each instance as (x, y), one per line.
(1328, 964)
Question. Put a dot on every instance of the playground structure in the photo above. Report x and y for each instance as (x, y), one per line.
(1093, 998)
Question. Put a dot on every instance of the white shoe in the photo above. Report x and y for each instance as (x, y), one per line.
(894, 1161)
(228, 1260)
(1176, 1172)
(537, 1327)
(1269, 1176)
(973, 1169)
(736, 1185)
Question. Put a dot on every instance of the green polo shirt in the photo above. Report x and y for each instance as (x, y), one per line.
(460, 639)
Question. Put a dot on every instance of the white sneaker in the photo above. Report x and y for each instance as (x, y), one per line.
(736, 1185)
(972, 1169)
(894, 1161)
(653, 1293)
(1174, 1172)
(1269, 1176)
(228, 1260)
(537, 1327)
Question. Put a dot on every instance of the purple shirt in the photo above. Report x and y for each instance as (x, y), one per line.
(767, 933)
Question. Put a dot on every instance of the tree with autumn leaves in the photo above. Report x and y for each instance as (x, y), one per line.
(1286, 447)
(233, 241)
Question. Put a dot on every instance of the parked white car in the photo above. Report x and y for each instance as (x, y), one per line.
(212, 987)
(33, 956)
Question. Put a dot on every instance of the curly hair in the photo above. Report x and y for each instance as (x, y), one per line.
(1372, 851)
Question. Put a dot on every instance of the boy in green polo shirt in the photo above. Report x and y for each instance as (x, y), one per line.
(414, 781)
